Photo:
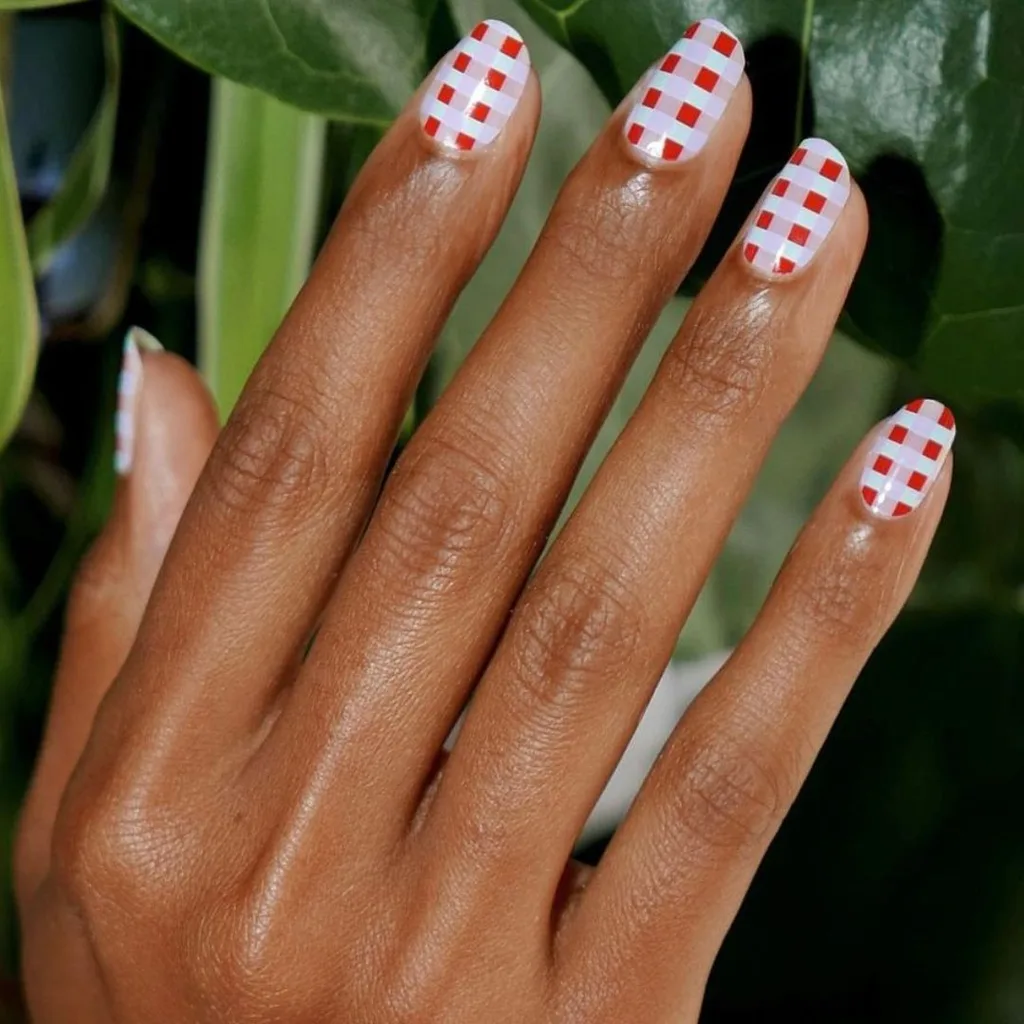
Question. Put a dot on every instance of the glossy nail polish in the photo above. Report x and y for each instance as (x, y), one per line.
(129, 388)
(906, 458)
(477, 87)
(799, 210)
(682, 99)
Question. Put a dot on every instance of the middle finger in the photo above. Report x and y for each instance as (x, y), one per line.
(467, 510)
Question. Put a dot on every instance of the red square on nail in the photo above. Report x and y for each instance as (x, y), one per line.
(688, 115)
(915, 405)
(869, 494)
(511, 47)
(706, 79)
(691, 30)
(764, 219)
(815, 202)
(946, 419)
(496, 80)
(671, 150)
(901, 509)
(651, 97)
(480, 31)
(480, 112)
(464, 141)
(750, 252)
(445, 93)
(670, 63)
(784, 265)
(635, 133)
(882, 465)
(725, 44)
(798, 157)
(431, 125)
(917, 481)
(781, 187)
(799, 234)
(898, 434)
(831, 169)
(932, 450)
(461, 62)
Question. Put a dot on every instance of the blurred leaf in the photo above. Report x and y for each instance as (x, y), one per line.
(263, 184)
(33, 5)
(85, 182)
(926, 99)
(358, 61)
(19, 320)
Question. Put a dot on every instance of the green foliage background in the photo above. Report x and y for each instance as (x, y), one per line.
(896, 890)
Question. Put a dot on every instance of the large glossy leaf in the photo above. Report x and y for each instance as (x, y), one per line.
(259, 224)
(926, 99)
(19, 317)
(88, 174)
(358, 60)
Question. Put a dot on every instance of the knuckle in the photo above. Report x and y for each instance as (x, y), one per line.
(729, 798)
(273, 454)
(723, 366)
(582, 623)
(110, 848)
(596, 231)
(447, 508)
(845, 597)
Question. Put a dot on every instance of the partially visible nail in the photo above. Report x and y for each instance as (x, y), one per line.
(907, 457)
(799, 209)
(683, 98)
(129, 388)
(477, 88)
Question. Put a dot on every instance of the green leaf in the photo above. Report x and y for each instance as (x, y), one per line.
(358, 60)
(88, 173)
(927, 102)
(33, 5)
(260, 216)
(19, 321)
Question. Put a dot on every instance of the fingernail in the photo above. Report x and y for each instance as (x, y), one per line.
(799, 209)
(684, 97)
(906, 459)
(129, 387)
(477, 87)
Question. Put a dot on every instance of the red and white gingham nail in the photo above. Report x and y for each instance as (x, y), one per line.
(799, 209)
(477, 87)
(906, 458)
(684, 97)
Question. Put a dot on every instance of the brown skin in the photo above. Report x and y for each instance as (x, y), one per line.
(249, 837)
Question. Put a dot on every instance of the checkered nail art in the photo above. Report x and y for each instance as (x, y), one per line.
(906, 458)
(129, 387)
(797, 212)
(476, 89)
(682, 99)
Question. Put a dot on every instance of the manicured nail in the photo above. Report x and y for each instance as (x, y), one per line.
(684, 97)
(799, 209)
(129, 387)
(906, 459)
(477, 87)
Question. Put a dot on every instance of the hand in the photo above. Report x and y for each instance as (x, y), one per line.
(262, 830)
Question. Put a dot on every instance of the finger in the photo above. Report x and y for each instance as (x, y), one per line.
(298, 465)
(689, 848)
(598, 623)
(467, 510)
(166, 427)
